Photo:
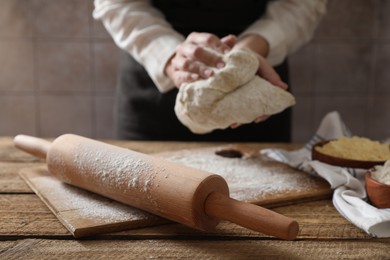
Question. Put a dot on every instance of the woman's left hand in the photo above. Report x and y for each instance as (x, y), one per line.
(260, 46)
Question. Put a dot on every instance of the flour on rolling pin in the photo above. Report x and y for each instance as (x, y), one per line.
(114, 169)
(249, 179)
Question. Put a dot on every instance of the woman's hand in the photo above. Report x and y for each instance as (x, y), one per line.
(200, 52)
(260, 46)
(195, 57)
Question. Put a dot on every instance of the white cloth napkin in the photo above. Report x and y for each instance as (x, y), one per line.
(349, 195)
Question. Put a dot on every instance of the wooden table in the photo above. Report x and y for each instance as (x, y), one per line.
(28, 229)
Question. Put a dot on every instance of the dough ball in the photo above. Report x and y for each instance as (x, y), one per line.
(240, 67)
(234, 94)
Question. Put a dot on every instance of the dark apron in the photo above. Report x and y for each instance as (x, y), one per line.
(143, 113)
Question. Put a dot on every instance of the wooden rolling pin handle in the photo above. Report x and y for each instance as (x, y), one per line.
(251, 216)
(32, 145)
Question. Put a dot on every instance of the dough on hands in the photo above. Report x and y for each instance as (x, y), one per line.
(234, 94)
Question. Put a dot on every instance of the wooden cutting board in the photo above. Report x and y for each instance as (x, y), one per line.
(250, 178)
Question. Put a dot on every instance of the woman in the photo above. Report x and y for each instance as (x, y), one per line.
(165, 44)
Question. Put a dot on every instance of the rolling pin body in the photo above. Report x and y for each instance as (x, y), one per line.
(192, 197)
(173, 191)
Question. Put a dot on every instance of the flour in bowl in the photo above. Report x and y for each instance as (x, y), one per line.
(382, 173)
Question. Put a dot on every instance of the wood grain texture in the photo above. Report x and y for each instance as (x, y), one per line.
(317, 219)
(8, 152)
(26, 215)
(192, 249)
(10, 181)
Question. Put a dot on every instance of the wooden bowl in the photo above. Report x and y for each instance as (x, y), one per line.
(378, 193)
(337, 161)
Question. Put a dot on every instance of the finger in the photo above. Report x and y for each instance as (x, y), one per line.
(207, 40)
(234, 125)
(198, 53)
(261, 119)
(229, 40)
(268, 73)
(181, 77)
(210, 41)
(181, 63)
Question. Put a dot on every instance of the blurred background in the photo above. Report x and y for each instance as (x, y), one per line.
(58, 70)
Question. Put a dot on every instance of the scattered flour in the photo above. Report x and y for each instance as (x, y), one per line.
(382, 173)
(84, 204)
(248, 179)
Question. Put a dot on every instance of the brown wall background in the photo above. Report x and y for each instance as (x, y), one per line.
(58, 70)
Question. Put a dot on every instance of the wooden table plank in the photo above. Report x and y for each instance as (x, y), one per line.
(26, 215)
(318, 220)
(192, 249)
(10, 181)
(149, 147)
(9, 153)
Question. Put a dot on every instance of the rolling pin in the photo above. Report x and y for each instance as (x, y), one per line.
(182, 194)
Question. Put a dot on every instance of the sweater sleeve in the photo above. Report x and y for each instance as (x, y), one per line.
(142, 31)
(287, 25)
